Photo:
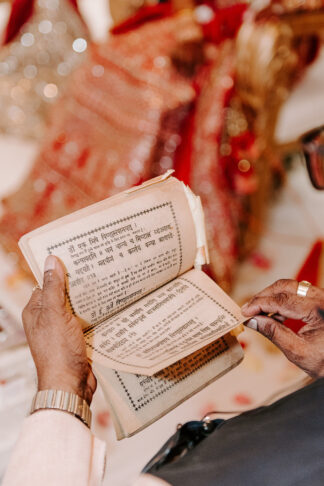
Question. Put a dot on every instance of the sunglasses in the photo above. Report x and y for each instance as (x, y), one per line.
(313, 149)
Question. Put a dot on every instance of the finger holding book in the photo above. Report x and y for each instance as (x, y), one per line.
(55, 337)
(280, 301)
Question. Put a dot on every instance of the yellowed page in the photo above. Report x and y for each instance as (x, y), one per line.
(136, 400)
(120, 249)
(165, 326)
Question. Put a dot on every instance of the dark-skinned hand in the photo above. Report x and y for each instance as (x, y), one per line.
(306, 348)
(55, 337)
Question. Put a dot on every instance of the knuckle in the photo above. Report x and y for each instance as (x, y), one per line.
(48, 309)
(31, 308)
(50, 312)
(255, 300)
(263, 301)
(282, 282)
(320, 296)
(281, 298)
(269, 330)
(312, 316)
(316, 294)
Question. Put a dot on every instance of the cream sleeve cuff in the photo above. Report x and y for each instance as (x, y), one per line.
(149, 480)
(55, 448)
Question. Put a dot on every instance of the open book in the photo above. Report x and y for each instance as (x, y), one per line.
(157, 328)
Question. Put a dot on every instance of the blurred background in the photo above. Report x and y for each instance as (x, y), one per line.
(97, 96)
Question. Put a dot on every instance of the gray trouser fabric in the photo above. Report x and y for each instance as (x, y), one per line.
(278, 445)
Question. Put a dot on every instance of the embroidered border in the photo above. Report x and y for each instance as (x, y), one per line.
(113, 223)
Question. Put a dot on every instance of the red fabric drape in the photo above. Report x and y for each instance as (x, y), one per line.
(224, 25)
(143, 15)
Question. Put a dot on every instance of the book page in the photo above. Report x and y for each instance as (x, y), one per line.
(137, 400)
(163, 327)
(126, 247)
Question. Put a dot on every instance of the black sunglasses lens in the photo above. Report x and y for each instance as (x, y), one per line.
(313, 147)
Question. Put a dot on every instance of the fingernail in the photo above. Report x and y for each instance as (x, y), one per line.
(252, 324)
(49, 263)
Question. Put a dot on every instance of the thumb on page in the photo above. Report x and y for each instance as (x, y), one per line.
(283, 337)
(54, 284)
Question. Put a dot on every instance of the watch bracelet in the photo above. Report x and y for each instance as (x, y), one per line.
(62, 400)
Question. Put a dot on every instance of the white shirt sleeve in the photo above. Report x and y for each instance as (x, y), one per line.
(55, 448)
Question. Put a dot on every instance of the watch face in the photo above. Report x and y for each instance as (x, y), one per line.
(313, 148)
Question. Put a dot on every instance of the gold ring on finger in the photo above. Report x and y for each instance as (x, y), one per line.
(303, 288)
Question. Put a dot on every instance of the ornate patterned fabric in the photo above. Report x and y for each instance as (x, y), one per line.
(120, 107)
(137, 107)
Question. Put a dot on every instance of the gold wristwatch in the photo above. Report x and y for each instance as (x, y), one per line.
(62, 400)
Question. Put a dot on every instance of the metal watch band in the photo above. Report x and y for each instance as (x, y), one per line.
(62, 400)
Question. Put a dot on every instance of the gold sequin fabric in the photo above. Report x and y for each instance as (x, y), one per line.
(35, 66)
